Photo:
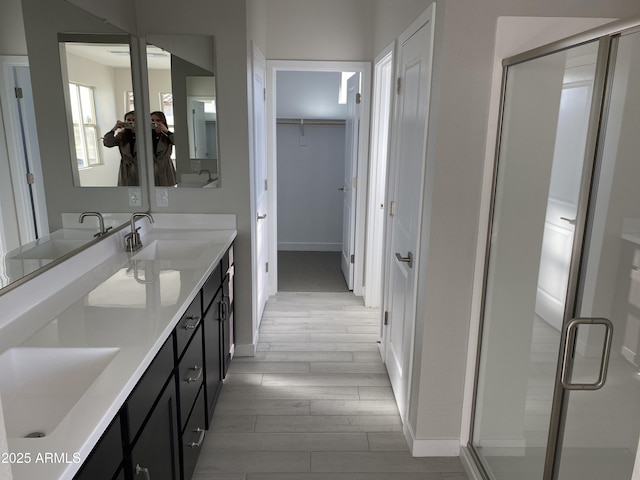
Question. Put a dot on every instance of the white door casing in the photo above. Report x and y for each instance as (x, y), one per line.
(260, 188)
(409, 134)
(364, 68)
(352, 137)
(379, 162)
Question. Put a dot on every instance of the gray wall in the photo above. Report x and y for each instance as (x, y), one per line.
(309, 175)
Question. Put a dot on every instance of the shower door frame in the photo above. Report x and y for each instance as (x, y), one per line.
(607, 36)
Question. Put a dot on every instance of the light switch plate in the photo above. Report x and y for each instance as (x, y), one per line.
(135, 197)
(162, 197)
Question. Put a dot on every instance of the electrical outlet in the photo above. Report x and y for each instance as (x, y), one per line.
(195, 165)
(135, 197)
(162, 197)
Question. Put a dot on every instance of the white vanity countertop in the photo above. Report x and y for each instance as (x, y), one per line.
(131, 306)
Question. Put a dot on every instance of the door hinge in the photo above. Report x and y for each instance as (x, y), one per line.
(265, 93)
(399, 83)
(392, 209)
(386, 318)
(266, 184)
(358, 98)
(31, 179)
(18, 92)
(266, 267)
(353, 258)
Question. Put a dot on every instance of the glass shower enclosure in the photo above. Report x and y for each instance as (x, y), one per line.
(557, 392)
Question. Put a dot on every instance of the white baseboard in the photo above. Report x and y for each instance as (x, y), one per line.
(310, 247)
(430, 447)
(245, 350)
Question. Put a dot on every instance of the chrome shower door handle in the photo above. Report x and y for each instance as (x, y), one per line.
(567, 355)
(408, 259)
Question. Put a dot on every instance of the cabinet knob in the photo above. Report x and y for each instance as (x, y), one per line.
(144, 471)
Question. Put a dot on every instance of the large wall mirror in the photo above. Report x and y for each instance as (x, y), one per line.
(182, 91)
(100, 109)
(40, 139)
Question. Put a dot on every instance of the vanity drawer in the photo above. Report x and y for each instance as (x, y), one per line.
(190, 376)
(188, 324)
(145, 394)
(193, 437)
(211, 287)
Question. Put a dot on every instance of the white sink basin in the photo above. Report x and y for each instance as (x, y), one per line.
(50, 249)
(172, 250)
(39, 386)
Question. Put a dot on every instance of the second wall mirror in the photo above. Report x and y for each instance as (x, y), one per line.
(182, 91)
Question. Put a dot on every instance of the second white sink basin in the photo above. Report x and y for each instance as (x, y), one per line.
(172, 250)
(39, 386)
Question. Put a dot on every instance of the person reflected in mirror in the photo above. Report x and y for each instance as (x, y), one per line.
(123, 136)
(163, 168)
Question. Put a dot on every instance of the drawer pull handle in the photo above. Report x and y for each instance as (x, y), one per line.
(140, 470)
(191, 326)
(198, 369)
(200, 438)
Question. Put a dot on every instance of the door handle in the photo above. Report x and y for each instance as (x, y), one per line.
(567, 355)
(408, 259)
(342, 189)
(572, 221)
(262, 217)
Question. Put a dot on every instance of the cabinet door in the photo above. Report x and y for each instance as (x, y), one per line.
(106, 457)
(226, 325)
(154, 456)
(149, 387)
(213, 370)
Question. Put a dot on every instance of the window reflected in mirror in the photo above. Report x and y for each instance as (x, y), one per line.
(100, 112)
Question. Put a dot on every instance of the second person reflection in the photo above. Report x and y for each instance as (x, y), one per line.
(164, 170)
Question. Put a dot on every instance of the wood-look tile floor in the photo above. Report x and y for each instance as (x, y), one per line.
(315, 403)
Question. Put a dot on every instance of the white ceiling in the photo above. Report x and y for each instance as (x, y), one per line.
(117, 55)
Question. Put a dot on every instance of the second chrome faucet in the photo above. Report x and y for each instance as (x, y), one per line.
(132, 239)
(102, 231)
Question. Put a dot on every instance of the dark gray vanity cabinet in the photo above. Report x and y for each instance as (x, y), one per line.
(162, 425)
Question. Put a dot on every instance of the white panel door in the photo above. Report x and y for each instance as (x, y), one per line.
(414, 70)
(260, 183)
(352, 137)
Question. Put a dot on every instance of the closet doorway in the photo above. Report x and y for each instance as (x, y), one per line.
(318, 150)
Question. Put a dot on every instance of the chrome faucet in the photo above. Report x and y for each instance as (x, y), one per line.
(208, 173)
(102, 231)
(132, 239)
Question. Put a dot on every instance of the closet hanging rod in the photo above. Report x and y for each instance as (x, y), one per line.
(303, 121)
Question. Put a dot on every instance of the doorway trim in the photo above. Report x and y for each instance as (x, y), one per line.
(381, 113)
(364, 68)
